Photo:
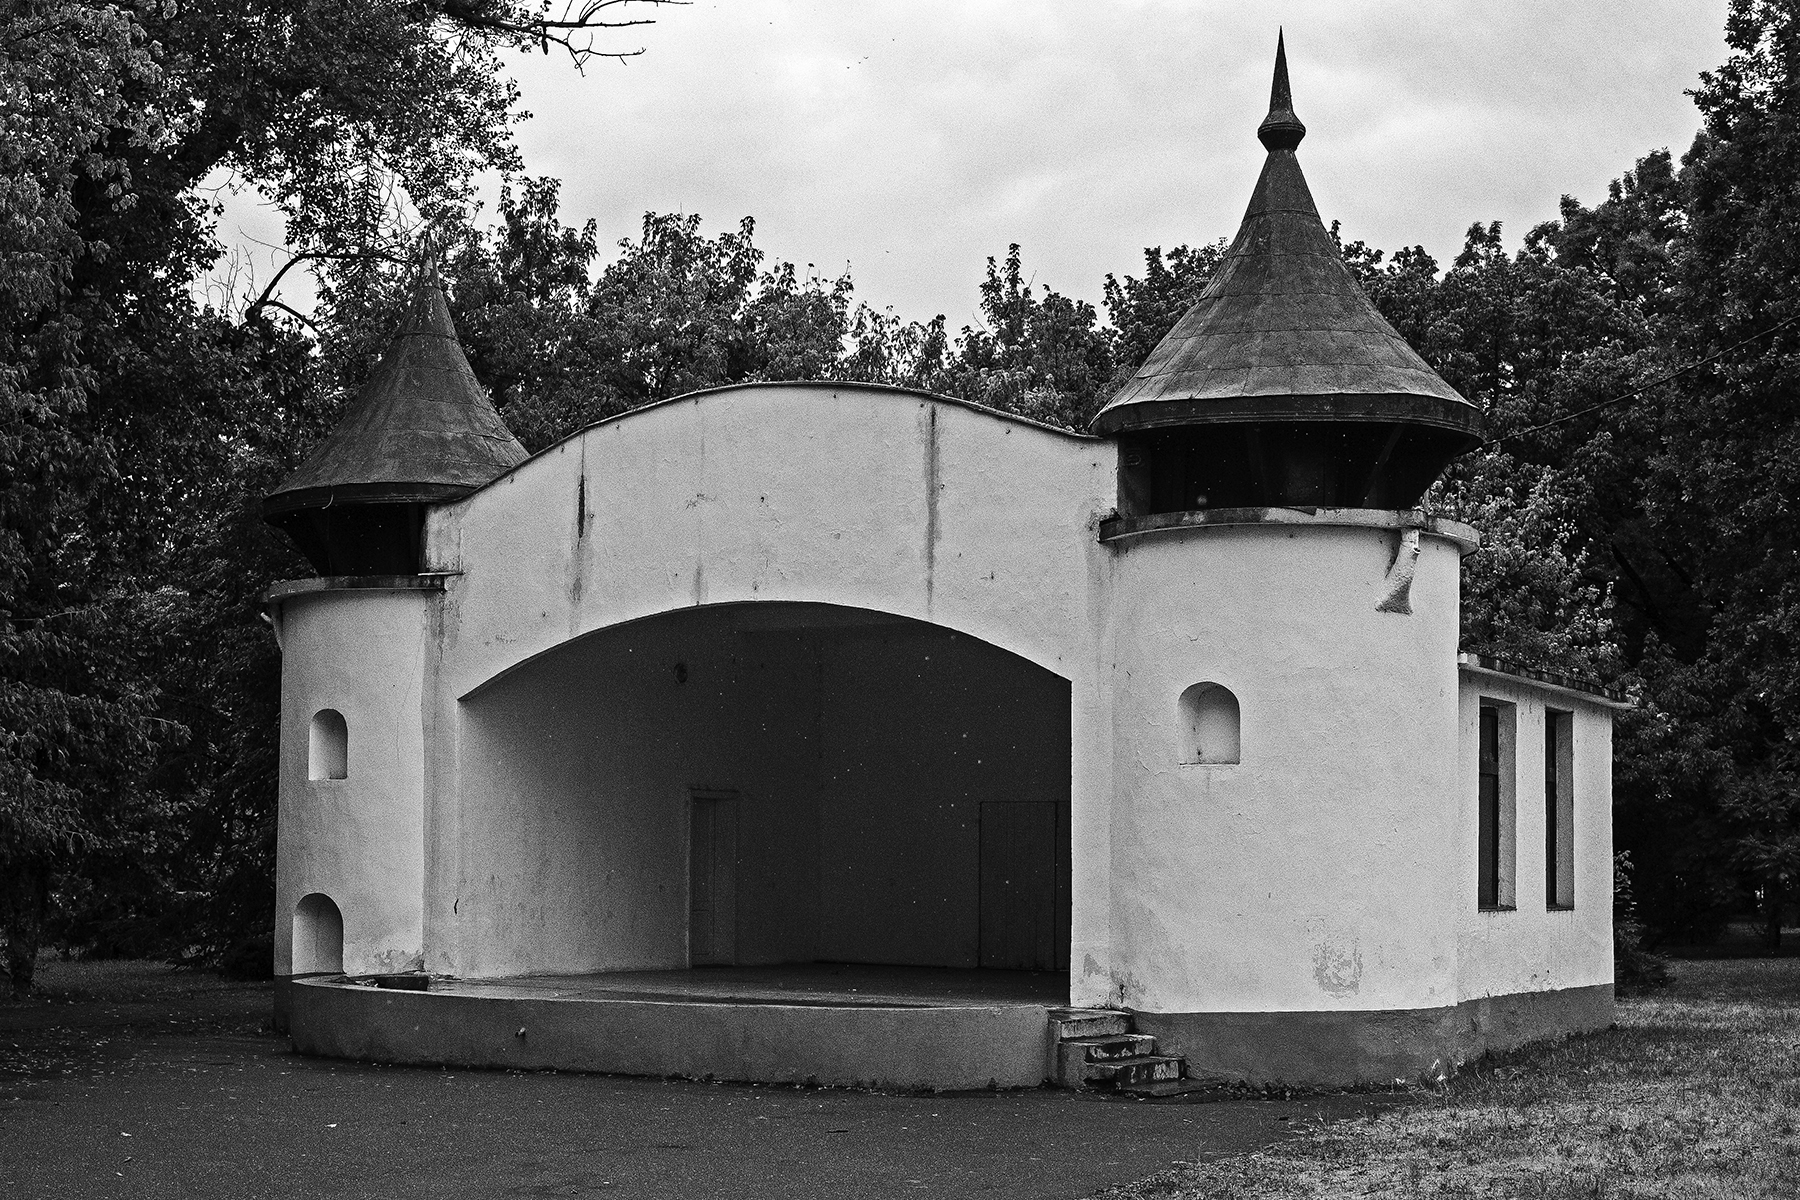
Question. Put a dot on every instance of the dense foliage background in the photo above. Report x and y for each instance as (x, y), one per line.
(1638, 359)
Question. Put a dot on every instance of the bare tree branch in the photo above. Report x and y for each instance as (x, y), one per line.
(573, 29)
(267, 299)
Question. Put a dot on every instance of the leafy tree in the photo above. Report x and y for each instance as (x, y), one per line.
(796, 330)
(884, 348)
(520, 296)
(1046, 359)
(137, 428)
(75, 723)
(1529, 595)
(1638, 365)
(1143, 311)
(675, 312)
(1723, 492)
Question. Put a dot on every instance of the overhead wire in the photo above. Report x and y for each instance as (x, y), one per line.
(1640, 390)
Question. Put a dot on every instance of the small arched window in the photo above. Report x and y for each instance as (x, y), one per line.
(1209, 724)
(328, 746)
(318, 936)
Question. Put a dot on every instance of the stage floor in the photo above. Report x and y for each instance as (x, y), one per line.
(809, 984)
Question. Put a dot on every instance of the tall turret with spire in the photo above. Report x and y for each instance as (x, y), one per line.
(1283, 386)
(421, 431)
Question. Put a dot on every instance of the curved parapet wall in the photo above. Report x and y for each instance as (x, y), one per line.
(867, 498)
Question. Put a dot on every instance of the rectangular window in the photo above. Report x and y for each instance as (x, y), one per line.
(1559, 809)
(1495, 801)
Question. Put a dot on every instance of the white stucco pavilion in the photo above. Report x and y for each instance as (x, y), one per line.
(799, 673)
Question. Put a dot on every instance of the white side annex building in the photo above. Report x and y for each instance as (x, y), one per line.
(858, 735)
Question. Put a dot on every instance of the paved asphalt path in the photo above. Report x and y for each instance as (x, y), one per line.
(189, 1095)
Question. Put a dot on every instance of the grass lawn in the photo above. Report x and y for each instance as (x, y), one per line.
(124, 980)
(1695, 1093)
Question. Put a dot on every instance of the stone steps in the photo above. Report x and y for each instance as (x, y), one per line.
(1127, 1073)
(1088, 1022)
(1096, 1048)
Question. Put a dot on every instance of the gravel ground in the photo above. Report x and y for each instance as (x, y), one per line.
(131, 1080)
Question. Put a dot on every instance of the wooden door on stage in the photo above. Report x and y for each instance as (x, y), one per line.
(1024, 873)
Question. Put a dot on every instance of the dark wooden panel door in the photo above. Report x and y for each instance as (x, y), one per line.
(1024, 886)
(712, 882)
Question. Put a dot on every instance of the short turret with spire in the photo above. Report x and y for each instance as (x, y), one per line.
(1283, 386)
(421, 431)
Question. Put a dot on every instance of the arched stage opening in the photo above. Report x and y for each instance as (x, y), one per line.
(757, 786)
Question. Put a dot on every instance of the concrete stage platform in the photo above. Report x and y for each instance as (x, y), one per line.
(821, 1023)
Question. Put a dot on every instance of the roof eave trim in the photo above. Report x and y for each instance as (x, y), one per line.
(328, 496)
(1457, 416)
(1488, 666)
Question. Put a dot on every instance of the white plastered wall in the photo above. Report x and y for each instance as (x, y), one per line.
(1532, 948)
(360, 839)
(1310, 875)
(577, 773)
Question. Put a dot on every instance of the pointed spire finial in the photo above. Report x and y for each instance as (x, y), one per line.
(430, 262)
(1281, 96)
(1281, 129)
(428, 310)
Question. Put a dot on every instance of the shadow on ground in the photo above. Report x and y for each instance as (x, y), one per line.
(132, 1080)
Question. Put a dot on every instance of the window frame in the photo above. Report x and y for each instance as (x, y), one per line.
(1559, 810)
(1496, 806)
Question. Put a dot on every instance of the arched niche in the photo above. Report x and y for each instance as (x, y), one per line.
(328, 746)
(1209, 724)
(318, 936)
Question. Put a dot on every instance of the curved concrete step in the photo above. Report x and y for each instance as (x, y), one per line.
(1129, 1072)
(1074, 1055)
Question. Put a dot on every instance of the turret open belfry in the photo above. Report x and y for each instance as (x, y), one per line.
(1283, 386)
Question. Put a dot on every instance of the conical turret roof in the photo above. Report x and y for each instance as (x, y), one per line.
(1283, 332)
(421, 429)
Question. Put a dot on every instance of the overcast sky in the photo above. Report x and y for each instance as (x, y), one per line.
(910, 140)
